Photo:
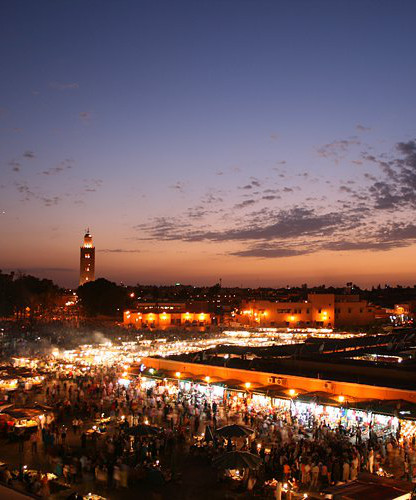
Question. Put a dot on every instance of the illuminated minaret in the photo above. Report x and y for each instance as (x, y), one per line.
(87, 263)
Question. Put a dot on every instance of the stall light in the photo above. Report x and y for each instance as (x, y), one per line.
(292, 392)
(341, 399)
(207, 379)
(248, 385)
(151, 371)
(178, 374)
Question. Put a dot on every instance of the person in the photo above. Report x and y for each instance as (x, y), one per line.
(354, 468)
(315, 476)
(34, 442)
(45, 490)
(63, 436)
(117, 476)
(371, 461)
(251, 483)
(6, 476)
(345, 471)
(83, 440)
(286, 471)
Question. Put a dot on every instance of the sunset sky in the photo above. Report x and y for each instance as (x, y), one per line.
(265, 142)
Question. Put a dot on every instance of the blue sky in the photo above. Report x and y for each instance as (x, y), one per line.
(198, 139)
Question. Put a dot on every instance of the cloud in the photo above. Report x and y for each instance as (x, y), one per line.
(337, 150)
(62, 166)
(29, 154)
(42, 270)
(354, 221)
(25, 190)
(117, 250)
(344, 245)
(197, 212)
(178, 186)
(362, 128)
(92, 185)
(270, 252)
(211, 197)
(254, 183)
(15, 165)
(50, 201)
(85, 116)
(285, 224)
(398, 232)
(396, 186)
(64, 86)
(345, 189)
(245, 204)
(270, 197)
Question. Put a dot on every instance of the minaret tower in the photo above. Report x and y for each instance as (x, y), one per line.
(87, 262)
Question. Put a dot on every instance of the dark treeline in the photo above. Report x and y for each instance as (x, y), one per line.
(22, 294)
(27, 295)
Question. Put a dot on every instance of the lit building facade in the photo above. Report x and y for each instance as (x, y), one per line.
(87, 260)
(319, 310)
(167, 315)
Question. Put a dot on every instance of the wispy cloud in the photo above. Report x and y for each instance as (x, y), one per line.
(350, 216)
(61, 167)
(362, 128)
(85, 116)
(15, 165)
(29, 154)
(178, 186)
(337, 150)
(118, 250)
(64, 85)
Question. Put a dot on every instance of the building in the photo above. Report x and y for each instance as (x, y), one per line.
(324, 310)
(164, 315)
(87, 260)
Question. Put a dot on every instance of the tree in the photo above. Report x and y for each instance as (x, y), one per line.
(25, 291)
(103, 297)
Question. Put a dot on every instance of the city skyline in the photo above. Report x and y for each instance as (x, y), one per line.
(263, 143)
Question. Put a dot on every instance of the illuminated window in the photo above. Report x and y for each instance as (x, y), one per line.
(87, 256)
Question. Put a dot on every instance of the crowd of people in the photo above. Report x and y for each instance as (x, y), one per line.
(110, 433)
